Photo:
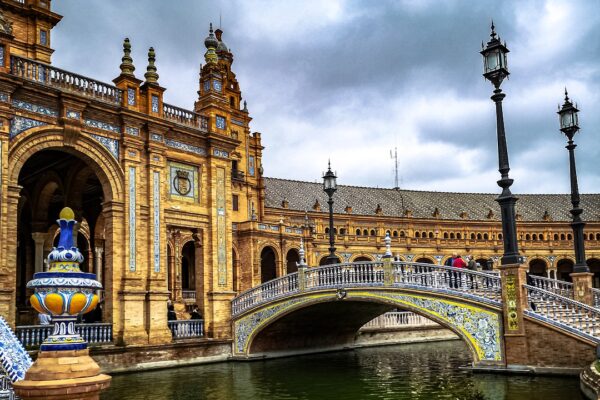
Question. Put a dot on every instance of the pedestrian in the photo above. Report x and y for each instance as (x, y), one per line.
(171, 315)
(195, 314)
(471, 264)
(458, 262)
(44, 319)
(450, 260)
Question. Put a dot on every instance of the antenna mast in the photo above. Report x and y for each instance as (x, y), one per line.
(395, 157)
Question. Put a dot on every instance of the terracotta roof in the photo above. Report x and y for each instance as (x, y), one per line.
(302, 196)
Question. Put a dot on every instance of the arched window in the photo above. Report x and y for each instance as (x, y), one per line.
(366, 232)
(499, 236)
(556, 236)
(485, 236)
(358, 232)
(395, 234)
(534, 236)
(458, 236)
(335, 231)
(423, 234)
(388, 232)
(472, 236)
(342, 231)
(528, 237)
(326, 230)
(445, 235)
(402, 234)
(562, 236)
(430, 235)
(417, 234)
(585, 236)
(569, 237)
(372, 232)
(597, 236)
(451, 235)
(479, 237)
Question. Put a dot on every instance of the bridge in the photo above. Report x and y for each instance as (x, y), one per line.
(506, 319)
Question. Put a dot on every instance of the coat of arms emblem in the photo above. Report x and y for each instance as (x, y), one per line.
(182, 183)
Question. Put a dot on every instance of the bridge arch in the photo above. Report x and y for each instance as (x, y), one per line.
(329, 319)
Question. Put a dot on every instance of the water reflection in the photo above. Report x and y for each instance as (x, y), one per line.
(417, 372)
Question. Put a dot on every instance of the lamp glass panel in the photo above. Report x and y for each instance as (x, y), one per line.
(566, 119)
(492, 61)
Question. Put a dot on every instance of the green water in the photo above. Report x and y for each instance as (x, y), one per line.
(416, 371)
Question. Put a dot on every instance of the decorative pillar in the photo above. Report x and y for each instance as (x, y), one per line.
(514, 303)
(64, 368)
(99, 252)
(39, 238)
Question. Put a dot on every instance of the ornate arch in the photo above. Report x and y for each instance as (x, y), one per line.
(363, 255)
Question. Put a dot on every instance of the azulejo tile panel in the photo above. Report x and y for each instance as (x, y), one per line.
(130, 130)
(183, 181)
(102, 125)
(156, 216)
(221, 228)
(185, 147)
(220, 153)
(156, 137)
(237, 122)
(20, 124)
(23, 105)
(112, 145)
(479, 326)
(73, 114)
(132, 219)
(14, 360)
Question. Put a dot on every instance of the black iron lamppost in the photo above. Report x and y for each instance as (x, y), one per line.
(329, 187)
(569, 125)
(495, 70)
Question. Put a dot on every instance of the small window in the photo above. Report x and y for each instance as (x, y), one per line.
(335, 231)
(44, 37)
(445, 235)
(569, 237)
(597, 236)
(430, 235)
(154, 103)
(232, 102)
(358, 232)
(556, 236)
(402, 234)
(235, 202)
(472, 236)
(458, 236)
(451, 235)
(395, 234)
(326, 230)
(499, 236)
(417, 234)
(485, 236)
(479, 237)
(372, 232)
(527, 237)
(342, 231)
(220, 121)
(562, 236)
(366, 232)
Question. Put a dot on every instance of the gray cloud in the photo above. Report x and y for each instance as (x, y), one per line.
(352, 79)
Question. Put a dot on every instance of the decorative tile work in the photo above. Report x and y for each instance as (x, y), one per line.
(132, 219)
(221, 229)
(20, 124)
(156, 137)
(43, 37)
(111, 145)
(511, 303)
(156, 216)
(251, 165)
(220, 153)
(206, 86)
(185, 147)
(154, 103)
(262, 226)
(131, 96)
(4, 97)
(217, 85)
(2, 55)
(183, 182)
(237, 122)
(480, 327)
(14, 360)
(130, 130)
(220, 121)
(23, 105)
(101, 125)
(73, 114)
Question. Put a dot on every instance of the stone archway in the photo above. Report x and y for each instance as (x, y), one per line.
(594, 265)
(292, 258)
(34, 159)
(268, 264)
(425, 260)
(538, 267)
(564, 269)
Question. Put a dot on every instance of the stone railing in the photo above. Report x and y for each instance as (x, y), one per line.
(185, 117)
(51, 76)
(189, 328)
(398, 319)
(478, 285)
(188, 294)
(34, 335)
(6, 388)
(559, 310)
(596, 297)
(562, 288)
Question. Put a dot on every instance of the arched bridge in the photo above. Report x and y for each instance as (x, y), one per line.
(323, 308)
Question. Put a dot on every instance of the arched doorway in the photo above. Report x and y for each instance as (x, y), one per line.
(564, 268)
(188, 269)
(268, 264)
(291, 259)
(538, 267)
(594, 265)
(52, 179)
(425, 260)
(325, 261)
(362, 259)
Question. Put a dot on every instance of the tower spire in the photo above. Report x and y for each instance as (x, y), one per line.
(151, 75)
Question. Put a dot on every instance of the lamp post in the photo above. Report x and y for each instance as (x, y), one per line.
(495, 69)
(329, 187)
(569, 125)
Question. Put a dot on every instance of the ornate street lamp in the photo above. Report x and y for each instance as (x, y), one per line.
(569, 125)
(329, 187)
(495, 69)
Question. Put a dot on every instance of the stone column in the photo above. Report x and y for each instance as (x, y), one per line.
(514, 303)
(98, 252)
(582, 287)
(39, 238)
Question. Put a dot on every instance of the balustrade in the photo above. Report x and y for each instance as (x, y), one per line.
(34, 335)
(185, 117)
(189, 328)
(6, 388)
(596, 297)
(398, 319)
(562, 288)
(51, 76)
(559, 309)
(188, 294)
(364, 274)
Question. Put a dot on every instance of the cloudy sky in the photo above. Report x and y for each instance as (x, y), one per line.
(351, 80)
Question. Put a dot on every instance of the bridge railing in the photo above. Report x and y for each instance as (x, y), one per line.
(596, 297)
(187, 328)
(398, 319)
(559, 309)
(562, 288)
(365, 274)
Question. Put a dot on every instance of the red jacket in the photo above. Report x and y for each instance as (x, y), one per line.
(459, 263)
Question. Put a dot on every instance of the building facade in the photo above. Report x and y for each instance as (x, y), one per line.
(172, 203)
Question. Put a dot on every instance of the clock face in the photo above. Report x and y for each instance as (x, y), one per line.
(206, 86)
(217, 85)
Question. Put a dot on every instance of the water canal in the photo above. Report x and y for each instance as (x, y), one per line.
(416, 371)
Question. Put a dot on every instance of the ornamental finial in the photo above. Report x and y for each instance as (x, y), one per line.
(566, 95)
(388, 245)
(127, 66)
(493, 34)
(151, 75)
(302, 262)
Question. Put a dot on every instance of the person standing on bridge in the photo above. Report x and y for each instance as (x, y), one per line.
(458, 262)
